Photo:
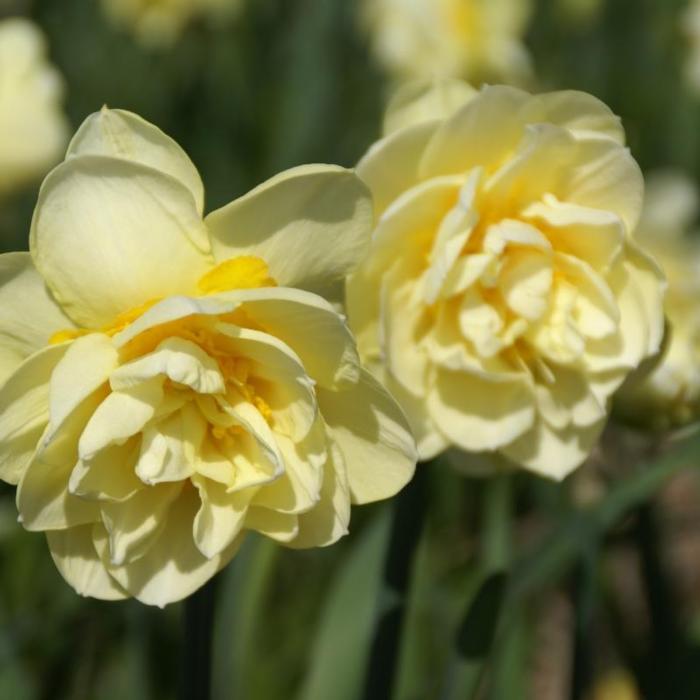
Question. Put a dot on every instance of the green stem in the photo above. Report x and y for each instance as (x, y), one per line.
(409, 509)
(478, 626)
(199, 626)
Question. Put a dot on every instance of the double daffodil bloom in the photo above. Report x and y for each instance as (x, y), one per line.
(170, 382)
(33, 130)
(503, 299)
(667, 394)
(473, 39)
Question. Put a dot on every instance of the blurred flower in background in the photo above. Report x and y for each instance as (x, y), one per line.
(503, 300)
(33, 129)
(158, 23)
(669, 394)
(479, 40)
(163, 395)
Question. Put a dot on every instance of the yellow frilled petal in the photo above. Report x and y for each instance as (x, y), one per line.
(75, 556)
(329, 520)
(310, 225)
(503, 300)
(376, 443)
(174, 567)
(120, 134)
(28, 313)
(243, 272)
(109, 235)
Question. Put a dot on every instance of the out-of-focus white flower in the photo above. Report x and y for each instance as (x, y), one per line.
(473, 39)
(669, 394)
(33, 129)
(160, 22)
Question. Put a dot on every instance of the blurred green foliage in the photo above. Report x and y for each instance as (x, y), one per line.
(290, 82)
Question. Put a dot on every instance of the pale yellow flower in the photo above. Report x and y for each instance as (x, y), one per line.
(33, 130)
(473, 39)
(161, 394)
(503, 300)
(668, 394)
(159, 23)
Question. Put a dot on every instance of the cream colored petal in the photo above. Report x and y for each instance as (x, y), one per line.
(173, 567)
(595, 310)
(606, 177)
(110, 235)
(483, 133)
(551, 453)
(424, 101)
(594, 235)
(120, 416)
(43, 499)
(214, 465)
(311, 225)
(121, 134)
(637, 285)
(24, 414)
(479, 415)
(28, 313)
(108, 475)
(134, 524)
(373, 436)
(452, 235)
(537, 166)
(279, 378)
(404, 319)
(568, 400)
(578, 112)
(169, 449)
(180, 360)
(328, 521)
(390, 167)
(430, 442)
(297, 490)
(281, 527)
(76, 558)
(307, 323)
(525, 281)
(85, 367)
(221, 516)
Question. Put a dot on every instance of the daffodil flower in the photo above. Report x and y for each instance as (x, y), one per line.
(170, 381)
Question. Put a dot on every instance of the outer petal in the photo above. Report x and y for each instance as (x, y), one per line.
(74, 554)
(391, 166)
(173, 567)
(422, 101)
(43, 499)
(121, 134)
(554, 453)
(476, 415)
(328, 521)
(310, 224)
(24, 404)
(373, 436)
(109, 235)
(28, 313)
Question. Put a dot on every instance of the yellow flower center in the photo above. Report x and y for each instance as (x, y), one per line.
(243, 272)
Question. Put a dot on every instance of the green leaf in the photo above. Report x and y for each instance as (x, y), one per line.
(339, 654)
